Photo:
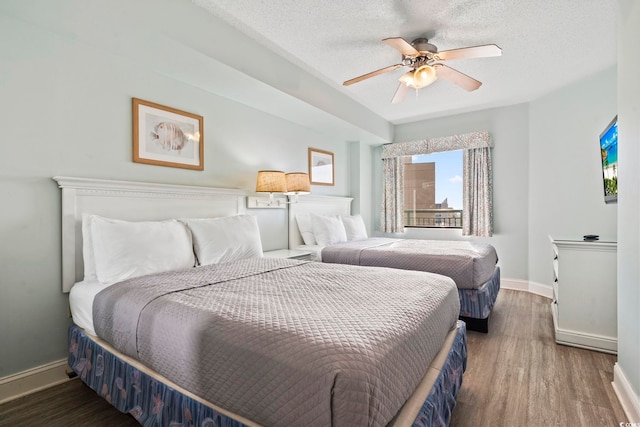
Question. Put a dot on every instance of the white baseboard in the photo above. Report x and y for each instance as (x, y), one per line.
(627, 397)
(527, 286)
(32, 380)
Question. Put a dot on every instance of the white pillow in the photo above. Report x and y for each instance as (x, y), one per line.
(304, 225)
(225, 239)
(88, 260)
(125, 249)
(354, 226)
(328, 230)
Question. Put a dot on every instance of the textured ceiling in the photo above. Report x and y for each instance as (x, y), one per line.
(546, 44)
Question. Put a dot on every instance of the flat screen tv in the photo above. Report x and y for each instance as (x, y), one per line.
(609, 156)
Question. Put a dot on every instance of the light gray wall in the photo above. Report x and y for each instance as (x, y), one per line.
(65, 109)
(509, 129)
(362, 161)
(629, 193)
(566, 196)
(185, 43)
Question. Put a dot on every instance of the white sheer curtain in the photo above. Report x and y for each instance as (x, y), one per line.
(392, 217)
(477, 204)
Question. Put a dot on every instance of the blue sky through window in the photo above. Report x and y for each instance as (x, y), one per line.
(448, 175)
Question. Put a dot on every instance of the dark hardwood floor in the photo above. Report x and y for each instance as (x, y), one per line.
(516, 376)
(69, 404)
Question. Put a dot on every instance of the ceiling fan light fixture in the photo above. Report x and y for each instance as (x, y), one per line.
(420, 77)
(407, 79)
(424, 76)
(426, 65)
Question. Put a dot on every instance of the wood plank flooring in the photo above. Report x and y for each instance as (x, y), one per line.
(69, 404)
(516, 376)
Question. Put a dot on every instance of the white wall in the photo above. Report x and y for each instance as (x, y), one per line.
(629, 193)
(566, 196)
(65, 109)
(509, 129)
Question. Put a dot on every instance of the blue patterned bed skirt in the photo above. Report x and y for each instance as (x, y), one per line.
(153, 403)
(128, 389)
(437, 409)
(478, 303)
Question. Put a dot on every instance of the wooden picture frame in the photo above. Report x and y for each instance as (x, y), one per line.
(321, 167)
(166, 136)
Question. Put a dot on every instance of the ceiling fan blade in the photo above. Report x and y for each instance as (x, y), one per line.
(401, 94)
(402, 46)
(372, 74)
(484, 51)
(455, 76)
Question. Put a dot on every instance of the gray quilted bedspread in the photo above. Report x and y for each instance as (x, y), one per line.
(469, 264)
(283, 342)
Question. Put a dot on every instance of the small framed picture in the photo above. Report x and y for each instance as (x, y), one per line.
(321, 170)
(167, 137)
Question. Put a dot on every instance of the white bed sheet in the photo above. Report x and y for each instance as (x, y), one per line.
(81, 303)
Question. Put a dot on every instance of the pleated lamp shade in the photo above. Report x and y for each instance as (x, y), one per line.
(271, 182)
(298, 183)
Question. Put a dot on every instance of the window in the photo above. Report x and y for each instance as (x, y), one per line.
(433, 190)
(477, 220)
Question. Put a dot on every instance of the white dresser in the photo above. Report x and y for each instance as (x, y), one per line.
(584, 306)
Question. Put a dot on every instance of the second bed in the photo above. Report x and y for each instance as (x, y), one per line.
(315, 224)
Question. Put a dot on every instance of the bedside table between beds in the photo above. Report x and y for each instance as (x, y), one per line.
(289, 254)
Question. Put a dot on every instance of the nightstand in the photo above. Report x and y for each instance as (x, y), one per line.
(289, 254)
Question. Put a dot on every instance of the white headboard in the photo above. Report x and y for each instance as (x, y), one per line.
(132, 201)
(321, 205)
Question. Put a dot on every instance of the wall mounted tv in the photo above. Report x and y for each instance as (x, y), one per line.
(609, 155)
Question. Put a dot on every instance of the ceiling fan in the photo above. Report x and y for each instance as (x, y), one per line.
(427, 65)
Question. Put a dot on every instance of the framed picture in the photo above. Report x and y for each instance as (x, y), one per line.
(167, 137)
(321, 169)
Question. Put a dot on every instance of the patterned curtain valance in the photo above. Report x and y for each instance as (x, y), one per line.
(465, 141)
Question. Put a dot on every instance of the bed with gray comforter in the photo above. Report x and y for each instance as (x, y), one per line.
(282, 342)
(469, 264)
